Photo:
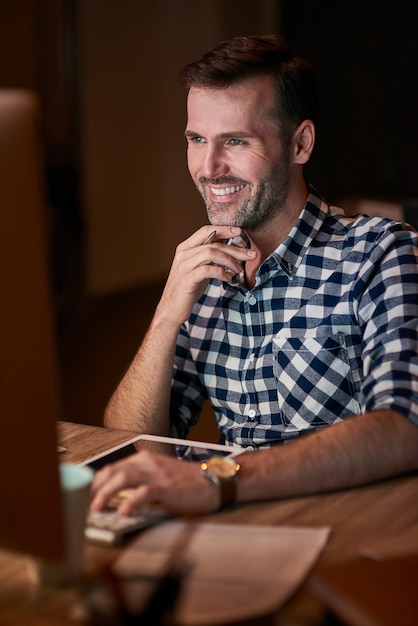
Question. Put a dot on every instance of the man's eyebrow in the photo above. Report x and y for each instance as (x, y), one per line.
(239, 134)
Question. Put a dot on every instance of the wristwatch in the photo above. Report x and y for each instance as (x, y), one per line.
(223, 472)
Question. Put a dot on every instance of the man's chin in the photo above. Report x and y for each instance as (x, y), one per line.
(223, 222)
(224, 215)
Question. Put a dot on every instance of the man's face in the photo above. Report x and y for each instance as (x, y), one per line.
(235, 155)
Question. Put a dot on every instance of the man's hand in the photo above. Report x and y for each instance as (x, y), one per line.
(154, 478)
(141, 402)
(195, 263)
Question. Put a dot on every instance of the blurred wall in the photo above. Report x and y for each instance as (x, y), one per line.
(37, 52)
(119, 194)
(366, 60)
(138, 199)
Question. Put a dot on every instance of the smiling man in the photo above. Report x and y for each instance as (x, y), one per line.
(243, 174)
(316, 346)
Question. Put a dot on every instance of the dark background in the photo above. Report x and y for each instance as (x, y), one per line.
(366, 60)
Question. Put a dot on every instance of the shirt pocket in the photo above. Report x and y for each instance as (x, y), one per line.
(313, 376)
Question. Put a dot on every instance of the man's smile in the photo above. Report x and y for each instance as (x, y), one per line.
(224, 191)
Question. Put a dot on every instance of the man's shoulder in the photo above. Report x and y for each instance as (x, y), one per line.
(361, 224)
(338, 218)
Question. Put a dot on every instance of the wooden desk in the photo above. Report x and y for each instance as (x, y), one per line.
(376, 519)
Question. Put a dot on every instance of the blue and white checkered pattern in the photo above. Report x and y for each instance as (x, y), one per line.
(329, 330)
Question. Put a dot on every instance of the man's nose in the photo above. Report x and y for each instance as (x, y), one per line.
(214, 163)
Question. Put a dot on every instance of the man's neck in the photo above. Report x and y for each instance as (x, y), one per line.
(266, 239)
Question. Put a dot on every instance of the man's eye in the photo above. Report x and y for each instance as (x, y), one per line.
(235, 142)
(196, 140)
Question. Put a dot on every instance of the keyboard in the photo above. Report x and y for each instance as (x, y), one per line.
(109, 528)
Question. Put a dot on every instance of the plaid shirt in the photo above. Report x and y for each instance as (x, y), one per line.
(328, 331)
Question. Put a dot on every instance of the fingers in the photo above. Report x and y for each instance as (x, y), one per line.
(153, 478)
(219, 255)
(212, 250)
(130, 482)
(209, 233)
(202, 257)
(209, 238)
(109, 482)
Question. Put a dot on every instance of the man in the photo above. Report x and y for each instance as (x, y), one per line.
(316, 347)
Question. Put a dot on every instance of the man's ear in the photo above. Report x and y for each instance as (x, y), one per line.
(303, 141)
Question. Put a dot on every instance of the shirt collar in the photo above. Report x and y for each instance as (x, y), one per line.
(291, 250)
(289, 253)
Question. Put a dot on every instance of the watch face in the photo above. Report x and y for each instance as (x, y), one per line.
(222, 467)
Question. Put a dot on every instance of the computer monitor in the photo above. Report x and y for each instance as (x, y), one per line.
(31, 520)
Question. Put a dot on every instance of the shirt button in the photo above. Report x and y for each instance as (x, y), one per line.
(251, 413)
(250, 298)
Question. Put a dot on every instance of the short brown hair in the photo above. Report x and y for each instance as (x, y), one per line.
(243, 57)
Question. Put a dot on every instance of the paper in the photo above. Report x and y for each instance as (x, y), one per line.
(237, 571)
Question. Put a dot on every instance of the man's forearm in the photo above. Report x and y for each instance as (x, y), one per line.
(141, 401)
(359, 450)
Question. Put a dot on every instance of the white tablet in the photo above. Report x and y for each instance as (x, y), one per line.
(183, 448)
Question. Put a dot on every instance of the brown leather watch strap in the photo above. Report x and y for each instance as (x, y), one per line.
(222, 472)
(228, 490)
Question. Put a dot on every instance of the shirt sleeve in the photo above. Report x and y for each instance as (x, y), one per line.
(388, 311)
(187, 392)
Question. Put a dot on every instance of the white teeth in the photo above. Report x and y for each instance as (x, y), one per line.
(226, 190)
